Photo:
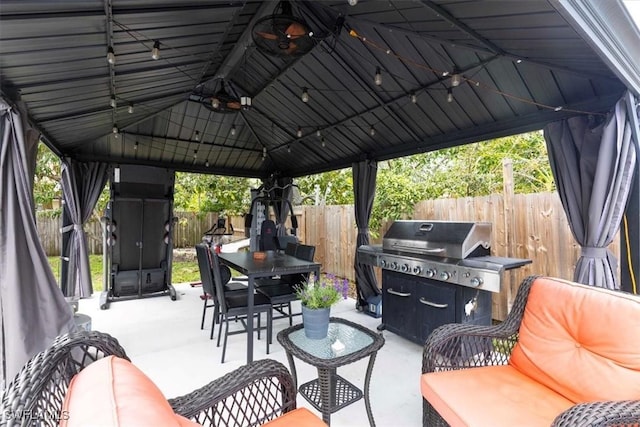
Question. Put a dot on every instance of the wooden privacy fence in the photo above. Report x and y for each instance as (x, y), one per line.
(531, 226)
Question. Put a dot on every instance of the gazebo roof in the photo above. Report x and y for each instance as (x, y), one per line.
(521, 64)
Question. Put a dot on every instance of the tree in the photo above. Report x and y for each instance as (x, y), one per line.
(46, 183)
(212, 193)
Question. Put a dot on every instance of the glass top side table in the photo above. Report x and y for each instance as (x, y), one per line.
(330, 392)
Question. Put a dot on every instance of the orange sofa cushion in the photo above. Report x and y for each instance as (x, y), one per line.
(113, 392)
(301, 417)
(491, 396)
(580, 341)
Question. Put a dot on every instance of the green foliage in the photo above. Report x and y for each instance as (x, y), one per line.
(329, 188)
(322, 292)
(212, 193)
(46, 184)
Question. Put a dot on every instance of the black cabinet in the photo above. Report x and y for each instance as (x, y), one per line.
(413, 307)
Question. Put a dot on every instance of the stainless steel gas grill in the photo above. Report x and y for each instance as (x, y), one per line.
(436, 272)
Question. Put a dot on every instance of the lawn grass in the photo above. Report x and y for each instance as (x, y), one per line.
(183, 271)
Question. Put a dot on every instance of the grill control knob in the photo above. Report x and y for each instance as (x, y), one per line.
(394, 265)
(430, 272)
(444, 275)
(383, 263)
(417, 269)
(405, 268)
(476, 281)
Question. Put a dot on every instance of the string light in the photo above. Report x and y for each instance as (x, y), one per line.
(206, 164)
(135, 146)
(449, 95)
(299, 132)
(130, 109)
(264, 153)
(115, 128)
(414, 98)
(352, 2)
(111, 56)
(215, 103)
(455, 79)
(112, 102)
(233, 130)
(155, 52)
(195, 155)
(323, 142)
(197, 137)
(372, 131)
(378, 77)
(305, 95)
(318, 133)
(288, 148)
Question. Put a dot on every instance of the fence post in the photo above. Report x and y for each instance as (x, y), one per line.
(510, 234)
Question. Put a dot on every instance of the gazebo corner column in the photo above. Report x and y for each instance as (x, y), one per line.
(630, 240)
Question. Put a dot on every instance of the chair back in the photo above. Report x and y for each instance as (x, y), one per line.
(205, 264)
(217, 280)
(306, 252)
(267, 240)
(205, 269)
(291, 249)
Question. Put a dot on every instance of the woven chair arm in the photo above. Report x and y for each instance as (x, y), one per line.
(248, 396)
(39, 388)
(461, 346)
(601, 414)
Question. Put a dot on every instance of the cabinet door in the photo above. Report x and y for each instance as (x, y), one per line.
(435, 306)
(398, 304)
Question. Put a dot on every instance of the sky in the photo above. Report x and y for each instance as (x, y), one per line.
(633, 6)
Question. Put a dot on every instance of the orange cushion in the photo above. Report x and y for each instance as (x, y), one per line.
(113, 392)
(580, 341)
(301, 417)
(491, 396)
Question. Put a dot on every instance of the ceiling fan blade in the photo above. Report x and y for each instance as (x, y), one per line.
(296, 30)
(267, 36)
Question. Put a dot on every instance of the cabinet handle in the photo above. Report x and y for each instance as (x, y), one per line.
(400, 294)
(433, 304)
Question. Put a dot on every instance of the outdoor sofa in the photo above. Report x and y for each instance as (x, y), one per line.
(86, 378)
(567, 355)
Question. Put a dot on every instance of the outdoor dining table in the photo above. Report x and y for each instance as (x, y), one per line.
(273, 264)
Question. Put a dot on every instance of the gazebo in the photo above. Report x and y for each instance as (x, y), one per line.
(286, 89)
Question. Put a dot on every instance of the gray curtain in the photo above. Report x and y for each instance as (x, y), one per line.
(33, 311)
(364, 191)
(593, 167)
(82, 184)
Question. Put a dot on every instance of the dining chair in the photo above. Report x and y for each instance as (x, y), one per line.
(234, 305)
(283, 293)
(208, 289)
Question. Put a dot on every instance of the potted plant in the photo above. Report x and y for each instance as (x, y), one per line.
(317, 296)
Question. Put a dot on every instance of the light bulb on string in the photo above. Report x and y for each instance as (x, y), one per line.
(414, 98)
(299, 132)
(215, 103)
(111, 56)
(197, 137)
(455, 79)
(449, 95)
(288, 148)
(130, 109)
(113, 102)
(352, 2)
(206, 164)
(155, 52)
(115, 129)
(378, 77)
(135, 146)
(318, 133)
(305, 95)
(322, 142)
(372, 131)
(233, 130)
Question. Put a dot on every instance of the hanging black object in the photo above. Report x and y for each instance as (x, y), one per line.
(283, 34)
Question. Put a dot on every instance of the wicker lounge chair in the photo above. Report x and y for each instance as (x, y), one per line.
(251, 395)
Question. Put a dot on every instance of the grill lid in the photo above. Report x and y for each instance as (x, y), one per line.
(443, 239)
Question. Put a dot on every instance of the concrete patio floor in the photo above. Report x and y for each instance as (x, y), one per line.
(164, 339)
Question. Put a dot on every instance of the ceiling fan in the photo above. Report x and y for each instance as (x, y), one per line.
(283, 34)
